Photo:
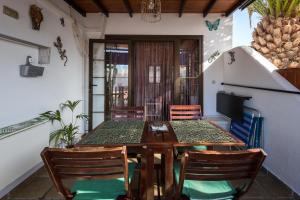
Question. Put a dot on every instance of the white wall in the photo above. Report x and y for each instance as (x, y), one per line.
(281, 111)
(20, 156)
(188, 24)
(25, 98)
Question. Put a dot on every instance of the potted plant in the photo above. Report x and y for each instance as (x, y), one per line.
(277, 36)
(65, 135)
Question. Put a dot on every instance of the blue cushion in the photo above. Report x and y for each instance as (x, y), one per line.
(194, 189)
(244, 130)
(101, 189)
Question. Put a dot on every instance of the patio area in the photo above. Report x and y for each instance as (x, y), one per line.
(149, 100)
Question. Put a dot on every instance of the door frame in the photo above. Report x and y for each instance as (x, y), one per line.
(130, 39)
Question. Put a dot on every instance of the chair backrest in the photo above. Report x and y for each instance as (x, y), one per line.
(85, 163)
(127, 113)
(221, 165)
(185, 112)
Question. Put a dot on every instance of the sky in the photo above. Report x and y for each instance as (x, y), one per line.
(242, 32)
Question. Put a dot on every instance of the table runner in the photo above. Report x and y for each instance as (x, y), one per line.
(199, 131)
(115, 132)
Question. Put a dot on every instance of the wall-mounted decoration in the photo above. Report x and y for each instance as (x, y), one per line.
(58, 44)
(213, 26)
(36, 17)
(29, 70)
(232, 57)
(62, 21)
(10, 12)
(213, 56)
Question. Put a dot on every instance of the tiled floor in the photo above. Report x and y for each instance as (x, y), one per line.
(39, 187)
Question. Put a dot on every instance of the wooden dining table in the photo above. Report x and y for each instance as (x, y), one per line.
(139, 137)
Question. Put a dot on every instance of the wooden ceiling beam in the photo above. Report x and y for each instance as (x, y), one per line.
(76, 7)
(209, 6)
(181, 7)
(234, 7)
(128, 7)
(101, 7)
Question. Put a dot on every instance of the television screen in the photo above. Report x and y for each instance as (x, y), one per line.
(231, 105)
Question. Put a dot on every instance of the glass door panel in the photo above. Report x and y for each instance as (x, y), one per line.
(116, 76)
(97, 90)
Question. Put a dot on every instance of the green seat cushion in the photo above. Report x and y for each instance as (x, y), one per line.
(206, 190)
(101, 189)
(198, 148)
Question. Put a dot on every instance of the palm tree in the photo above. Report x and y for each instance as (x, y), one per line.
(277, 36)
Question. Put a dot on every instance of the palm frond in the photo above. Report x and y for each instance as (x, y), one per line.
(70, 104)
(82, 116)
(275, 8)
(56, 136)
(52, 116)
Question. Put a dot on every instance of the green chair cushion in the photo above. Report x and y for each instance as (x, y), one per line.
(206, 190)
(101, 189)
(198, 148)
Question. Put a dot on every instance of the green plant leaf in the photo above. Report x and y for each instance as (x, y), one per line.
(57, 136)
(82, 116)
(275, 8)
(70, 104)
(52, 116)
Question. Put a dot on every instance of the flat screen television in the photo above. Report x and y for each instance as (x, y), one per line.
(231, 105)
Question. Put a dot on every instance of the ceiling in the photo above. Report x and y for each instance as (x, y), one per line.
(168, 6)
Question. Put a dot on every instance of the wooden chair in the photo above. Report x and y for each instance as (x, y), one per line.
(99, 173)
(206, 174)
(185, 112)
(127, 113)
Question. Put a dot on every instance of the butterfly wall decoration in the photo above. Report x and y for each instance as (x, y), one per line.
(213, 26)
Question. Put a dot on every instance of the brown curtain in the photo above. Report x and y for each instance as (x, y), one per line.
(154, 77)
(189, 72)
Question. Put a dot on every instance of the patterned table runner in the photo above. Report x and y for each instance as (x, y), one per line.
(199, 131)
(115, 132)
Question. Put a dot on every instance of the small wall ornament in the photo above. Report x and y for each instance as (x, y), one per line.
(232, 57)
(58, 44)
(213, 56)
(213, 26)
(10, 12)
(36, 17)
(62, 21)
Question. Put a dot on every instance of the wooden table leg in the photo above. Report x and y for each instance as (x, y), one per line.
(146, 182)
(150, 175)
(169, 179)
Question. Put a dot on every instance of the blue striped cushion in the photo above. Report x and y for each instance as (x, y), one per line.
(244, 130)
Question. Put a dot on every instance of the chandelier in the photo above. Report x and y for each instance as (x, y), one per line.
(151, 10)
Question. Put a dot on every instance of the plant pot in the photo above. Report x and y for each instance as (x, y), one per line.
(292, 75)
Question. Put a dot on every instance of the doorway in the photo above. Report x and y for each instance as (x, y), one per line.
(149, 71)
(153, 73)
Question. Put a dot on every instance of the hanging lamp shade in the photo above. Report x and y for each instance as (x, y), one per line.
(151, 10)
